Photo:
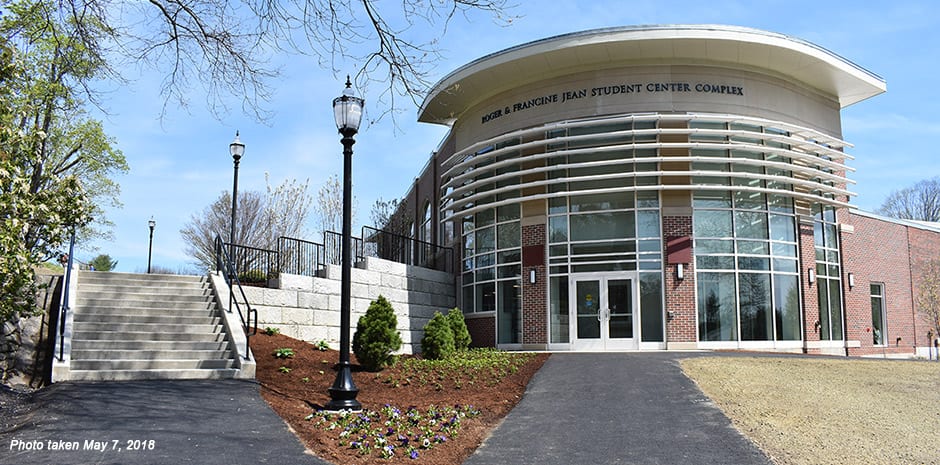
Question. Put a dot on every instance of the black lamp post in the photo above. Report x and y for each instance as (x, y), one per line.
(150, 223)
(348, 112)
(237, 149)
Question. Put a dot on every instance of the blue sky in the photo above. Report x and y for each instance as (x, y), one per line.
(181, 164)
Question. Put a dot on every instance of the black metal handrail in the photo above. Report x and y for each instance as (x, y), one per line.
(402, 249)
(64, 301)
(297, 256)
(252, 264)
(225, 265)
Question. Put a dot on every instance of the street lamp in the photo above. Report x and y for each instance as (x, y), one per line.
(348, 112)
(237, 149)
(150, 223)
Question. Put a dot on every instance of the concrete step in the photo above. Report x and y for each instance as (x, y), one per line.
(154, 303)
(130, 375)
(154, 308)
(192, 364)
(86, 299)
(148, 336)
(111, 276)
(120, 354)
(93, 326)
(186, 319)
(122, 344)
(131, 291)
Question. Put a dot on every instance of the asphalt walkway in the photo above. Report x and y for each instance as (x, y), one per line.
(152, 422)
(615, 408)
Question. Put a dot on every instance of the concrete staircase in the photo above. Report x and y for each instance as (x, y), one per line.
(137, 326)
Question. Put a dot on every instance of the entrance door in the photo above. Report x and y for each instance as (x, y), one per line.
(605, 312)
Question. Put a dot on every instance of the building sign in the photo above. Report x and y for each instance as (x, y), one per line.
(560, 98)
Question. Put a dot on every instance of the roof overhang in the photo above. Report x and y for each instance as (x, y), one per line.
(744, 48)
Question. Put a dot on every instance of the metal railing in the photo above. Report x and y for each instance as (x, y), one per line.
(333, 248)
(407, 250)
(226, 265)
(64, 302)
(300, 257)
(251, 264)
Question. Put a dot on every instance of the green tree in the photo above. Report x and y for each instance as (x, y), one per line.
(438, 340)
(33, 223)
(48, 104)
(459, 327)
(103, 262)
(377, 336)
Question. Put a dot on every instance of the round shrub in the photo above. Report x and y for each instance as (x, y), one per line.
(438, 340)
(377, 336)
(459, 328)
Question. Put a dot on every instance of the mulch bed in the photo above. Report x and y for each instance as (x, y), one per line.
(303, 390)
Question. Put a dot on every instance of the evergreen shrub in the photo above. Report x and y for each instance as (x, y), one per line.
(377, 336)
(459, 328)
(438, 340)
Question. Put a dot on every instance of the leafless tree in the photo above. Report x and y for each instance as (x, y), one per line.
(928, 295)
(329, 206)
(227, 46)
(261, 218)
(919, 202)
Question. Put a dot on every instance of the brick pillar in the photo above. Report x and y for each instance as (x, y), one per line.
(681, 329)
(534, 296)
(810, 297)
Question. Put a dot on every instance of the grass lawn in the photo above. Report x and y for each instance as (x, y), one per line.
(826, 410)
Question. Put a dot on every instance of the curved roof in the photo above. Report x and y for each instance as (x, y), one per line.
(739, 47)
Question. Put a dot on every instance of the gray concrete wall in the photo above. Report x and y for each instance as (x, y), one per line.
(308, 308)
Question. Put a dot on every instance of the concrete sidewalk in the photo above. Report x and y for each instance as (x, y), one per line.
(615, 408)
(153, 422)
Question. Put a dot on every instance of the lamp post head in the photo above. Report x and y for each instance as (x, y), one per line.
(151, 223)
(237, 148)
(347, 109)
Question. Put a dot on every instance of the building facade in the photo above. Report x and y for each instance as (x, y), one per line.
(664, 187)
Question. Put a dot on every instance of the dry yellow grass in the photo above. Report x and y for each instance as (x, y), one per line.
(828, 411)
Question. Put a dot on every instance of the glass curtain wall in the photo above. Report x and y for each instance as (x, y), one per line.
(492, 256)
(828, 273)
(746, 252)
(601, 231)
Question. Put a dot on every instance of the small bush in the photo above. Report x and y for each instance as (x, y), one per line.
(438, 340)
(377, 336)
(284, 352)
(252, 276)
(271, 331)
(459, 328)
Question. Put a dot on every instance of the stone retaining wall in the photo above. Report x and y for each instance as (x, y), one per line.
(308, 308)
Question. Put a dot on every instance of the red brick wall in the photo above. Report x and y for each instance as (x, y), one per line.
(877, 252)
(680, 295)
(924, 246)
(535, 296)
(482, 331)
(810, 298)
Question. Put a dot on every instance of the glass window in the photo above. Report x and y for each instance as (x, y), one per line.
(558, 229)
(595, 202)
(601, 226)
(878, 328)
(485, 240)
(782, 228)
(717, 307)
(711, 223)
(651, 307)
(486, 297)
(509, 315)
(647, 223)
(558, 309)
(754, 297)
(787, 307)
(507, 235)
(750, 225)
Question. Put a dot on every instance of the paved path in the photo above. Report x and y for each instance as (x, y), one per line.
(199, 422)
(615, 408)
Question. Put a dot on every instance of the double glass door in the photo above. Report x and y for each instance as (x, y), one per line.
(605, 312)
